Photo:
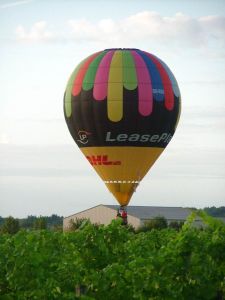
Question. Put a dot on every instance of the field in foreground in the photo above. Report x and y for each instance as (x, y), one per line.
(112, 262)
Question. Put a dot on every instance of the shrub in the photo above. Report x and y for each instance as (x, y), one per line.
(112, 262)
(176, 225)
(10, 226)
(40, 223)
(156, 223)
(77, 223)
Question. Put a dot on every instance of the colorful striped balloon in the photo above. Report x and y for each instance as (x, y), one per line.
(122, 107)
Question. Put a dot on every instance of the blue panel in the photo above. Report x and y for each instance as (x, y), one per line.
(172, 78)
(157, 85)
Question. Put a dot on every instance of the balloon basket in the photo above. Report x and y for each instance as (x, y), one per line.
(122, 213)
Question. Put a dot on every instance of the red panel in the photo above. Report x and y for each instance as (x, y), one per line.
(81, 73)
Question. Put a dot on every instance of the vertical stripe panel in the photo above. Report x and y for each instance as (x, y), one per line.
(145, 99)
(68, 95)
(157, 85)
(80, 75)
(115, 88)
(129, 71)
(101, 78)
(168, 90)
(176, 89)
(89, 78)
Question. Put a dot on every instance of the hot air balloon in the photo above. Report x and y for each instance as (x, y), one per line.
(122, 107)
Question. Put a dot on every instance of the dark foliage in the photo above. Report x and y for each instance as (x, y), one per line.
(40, 223)
(176, 225)
(52, 222)
(156, 223)
(10, 226)
(215, 211)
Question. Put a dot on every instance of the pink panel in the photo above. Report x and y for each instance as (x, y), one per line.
(101, 78)
(145, 98)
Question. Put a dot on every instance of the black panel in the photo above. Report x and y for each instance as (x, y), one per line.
(89, 124)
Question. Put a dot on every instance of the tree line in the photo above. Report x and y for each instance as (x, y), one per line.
(13, 225)
(55, 222)
(213, 211)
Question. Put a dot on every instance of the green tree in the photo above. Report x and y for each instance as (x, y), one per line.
(40, 223)
(54, 220)
(215, 211)
(28, 223)
(11, 225)
(176, 225)
(1, 221)
(158, 222)
(58, 228)
(78, 224)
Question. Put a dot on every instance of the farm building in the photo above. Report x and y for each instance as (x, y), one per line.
(137, 215)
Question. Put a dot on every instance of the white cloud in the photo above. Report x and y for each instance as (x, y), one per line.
(178, 28)
(214, 26)
(150, 26)
(82, 29)
(38, 32)
(147, 26)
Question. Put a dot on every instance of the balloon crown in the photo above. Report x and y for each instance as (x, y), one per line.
(107, 49)
(109, 73)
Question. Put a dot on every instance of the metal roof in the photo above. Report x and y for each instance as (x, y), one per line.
(149, 212)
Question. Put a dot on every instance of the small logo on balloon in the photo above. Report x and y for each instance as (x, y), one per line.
(102, 160)
(83, 136)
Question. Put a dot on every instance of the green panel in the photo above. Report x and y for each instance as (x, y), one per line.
(89, 78)
(69, 87)
(129, 71)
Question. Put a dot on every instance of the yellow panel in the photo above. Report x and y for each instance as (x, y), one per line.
(115, 110)
(116, 62)
(115, 92)
(115, 88)
(118, 168)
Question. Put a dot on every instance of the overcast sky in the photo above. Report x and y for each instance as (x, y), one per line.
(41, 169)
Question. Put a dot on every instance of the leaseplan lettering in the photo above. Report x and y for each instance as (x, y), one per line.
(135, 137)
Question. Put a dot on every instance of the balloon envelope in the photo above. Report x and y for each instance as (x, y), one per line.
(122, 107)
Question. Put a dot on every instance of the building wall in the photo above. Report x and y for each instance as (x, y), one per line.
(99, 214)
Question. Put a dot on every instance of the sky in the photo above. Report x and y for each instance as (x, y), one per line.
(42, 171)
